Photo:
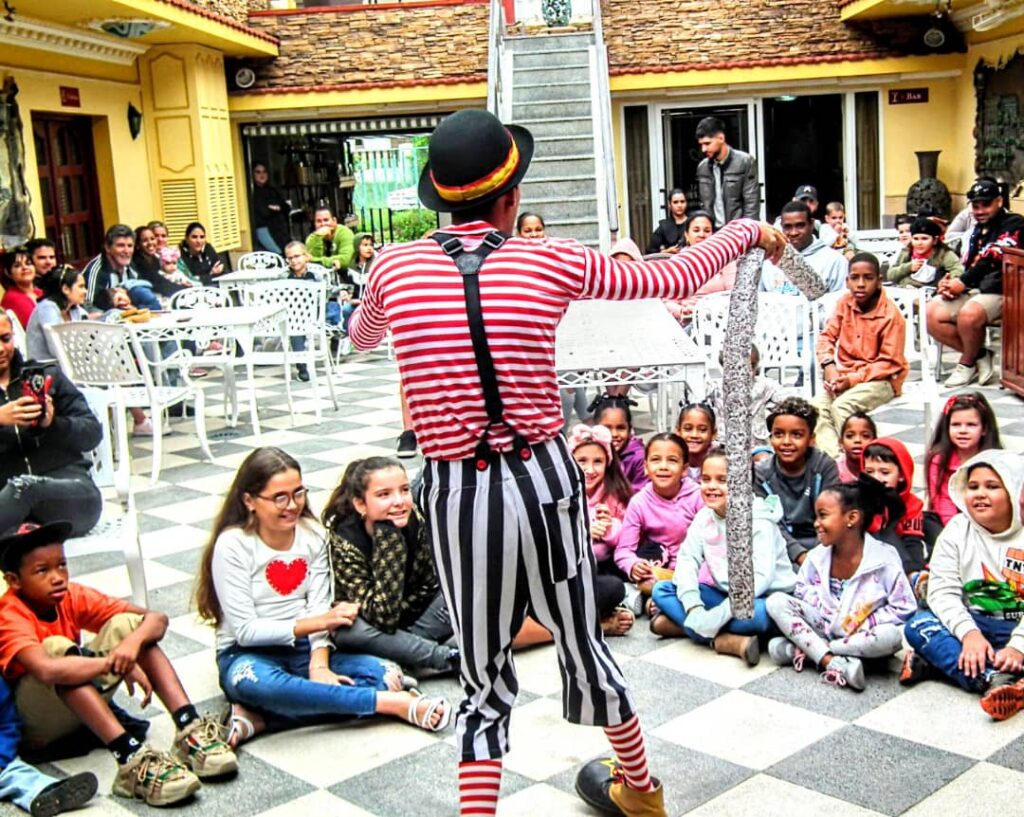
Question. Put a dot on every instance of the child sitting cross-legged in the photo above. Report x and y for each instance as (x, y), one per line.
(658, 517)
(860, 352)
(973, 633)
(59, 684)
(797, 473)
(701, 611)
(612, 412)
(852, 596)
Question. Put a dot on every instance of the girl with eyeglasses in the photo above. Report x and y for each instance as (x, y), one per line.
(265, 583)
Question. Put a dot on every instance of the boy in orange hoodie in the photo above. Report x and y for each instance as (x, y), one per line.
(860, 352)
(888, 461)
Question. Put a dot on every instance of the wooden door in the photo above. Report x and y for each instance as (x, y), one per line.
(1013, 321)
(67, 181)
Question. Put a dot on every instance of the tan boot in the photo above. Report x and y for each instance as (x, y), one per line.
(742, 646)
(635, 803)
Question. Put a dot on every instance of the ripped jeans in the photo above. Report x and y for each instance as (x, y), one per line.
(275, 681)
(930, 639)
(66, 494)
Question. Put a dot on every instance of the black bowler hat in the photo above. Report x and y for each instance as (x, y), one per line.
(983, 191)
(473, 159)
(27, 538)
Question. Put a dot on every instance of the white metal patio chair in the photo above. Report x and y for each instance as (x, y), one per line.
(20, 340)
(107, 355)
(261, 259)
(225, 358)
(306, 303)
(115, 531)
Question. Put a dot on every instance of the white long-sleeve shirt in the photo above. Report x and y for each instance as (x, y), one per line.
(262, 591)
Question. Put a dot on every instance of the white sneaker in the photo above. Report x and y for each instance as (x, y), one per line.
(145, 429)
(845, 670)
(962, 376)
(986, 367)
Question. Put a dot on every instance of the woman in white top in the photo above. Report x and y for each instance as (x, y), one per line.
(265, 583)
(63, 295)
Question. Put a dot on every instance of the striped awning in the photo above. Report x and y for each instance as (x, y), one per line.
(390, 124)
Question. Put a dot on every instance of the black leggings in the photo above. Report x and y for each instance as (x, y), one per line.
(66, 494)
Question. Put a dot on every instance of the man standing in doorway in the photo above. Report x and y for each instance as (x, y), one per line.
(502, 496)
(726, 177)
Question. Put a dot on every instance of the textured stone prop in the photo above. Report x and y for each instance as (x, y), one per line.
(736, 383)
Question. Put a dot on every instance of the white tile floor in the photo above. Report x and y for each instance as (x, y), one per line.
(724, 738)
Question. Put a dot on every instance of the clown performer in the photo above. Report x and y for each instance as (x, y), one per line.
(473, 313)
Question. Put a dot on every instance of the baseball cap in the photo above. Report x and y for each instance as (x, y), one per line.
(27, 538)
(983, 191)
(806, 191)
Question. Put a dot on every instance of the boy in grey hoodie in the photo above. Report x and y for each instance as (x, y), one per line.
(797, 473)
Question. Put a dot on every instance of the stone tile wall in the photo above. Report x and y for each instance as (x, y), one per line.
(431, 43)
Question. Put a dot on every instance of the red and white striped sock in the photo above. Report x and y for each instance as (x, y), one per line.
(479, 782)
(628, 743)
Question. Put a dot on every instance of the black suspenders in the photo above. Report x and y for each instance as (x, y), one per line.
(469, 264)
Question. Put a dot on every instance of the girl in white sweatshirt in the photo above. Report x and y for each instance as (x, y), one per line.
(695, 603)
(974, 632)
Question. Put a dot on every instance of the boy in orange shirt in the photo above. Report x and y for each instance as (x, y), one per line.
(59, 685)
(860, 352)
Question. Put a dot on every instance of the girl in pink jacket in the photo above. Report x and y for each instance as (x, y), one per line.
(659, 515)
(608, 493)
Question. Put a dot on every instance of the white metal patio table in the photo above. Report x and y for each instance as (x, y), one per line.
(611, 343)
(238, 322)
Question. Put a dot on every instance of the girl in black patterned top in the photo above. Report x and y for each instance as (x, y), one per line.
(381, 560)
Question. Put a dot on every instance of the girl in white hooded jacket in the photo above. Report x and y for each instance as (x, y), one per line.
(974, 632)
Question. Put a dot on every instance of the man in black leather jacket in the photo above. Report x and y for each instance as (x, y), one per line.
(728, 170)
(44, 474)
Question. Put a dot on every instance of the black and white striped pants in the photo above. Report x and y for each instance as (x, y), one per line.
(507, 539)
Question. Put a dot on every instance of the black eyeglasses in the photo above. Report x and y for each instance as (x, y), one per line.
(284, 499)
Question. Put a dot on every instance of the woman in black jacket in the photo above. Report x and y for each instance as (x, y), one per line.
(200, 259)
(270, 212)
(44, 472)
(668, 236)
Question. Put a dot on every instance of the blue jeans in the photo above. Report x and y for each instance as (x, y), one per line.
(930, 639)
(275, 681)
(347, 310)
(664, 595)
(21, 783)
(266, 240)
(144, 297)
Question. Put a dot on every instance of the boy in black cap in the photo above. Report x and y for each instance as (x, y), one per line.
(964, 306)
(59, 685)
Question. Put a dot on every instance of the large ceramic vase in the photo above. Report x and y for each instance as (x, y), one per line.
(928, 195)
(556, 12)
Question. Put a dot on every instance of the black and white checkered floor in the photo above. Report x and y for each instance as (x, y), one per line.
(725, 739)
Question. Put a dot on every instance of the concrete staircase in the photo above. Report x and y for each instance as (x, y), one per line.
(551, 95)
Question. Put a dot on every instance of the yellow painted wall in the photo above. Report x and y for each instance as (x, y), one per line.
(922, 126)
(192, 161)
(122, 168)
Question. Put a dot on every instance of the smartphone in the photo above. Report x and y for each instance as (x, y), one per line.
(35, 383)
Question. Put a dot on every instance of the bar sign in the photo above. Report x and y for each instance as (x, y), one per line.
(69, 97)
(907, 96)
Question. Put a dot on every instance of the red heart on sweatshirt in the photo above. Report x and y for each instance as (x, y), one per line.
(284, 577)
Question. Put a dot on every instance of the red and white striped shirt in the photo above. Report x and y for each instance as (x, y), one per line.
(525, 288)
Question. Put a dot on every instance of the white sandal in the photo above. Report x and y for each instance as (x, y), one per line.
(433, 704)
(239, 728)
